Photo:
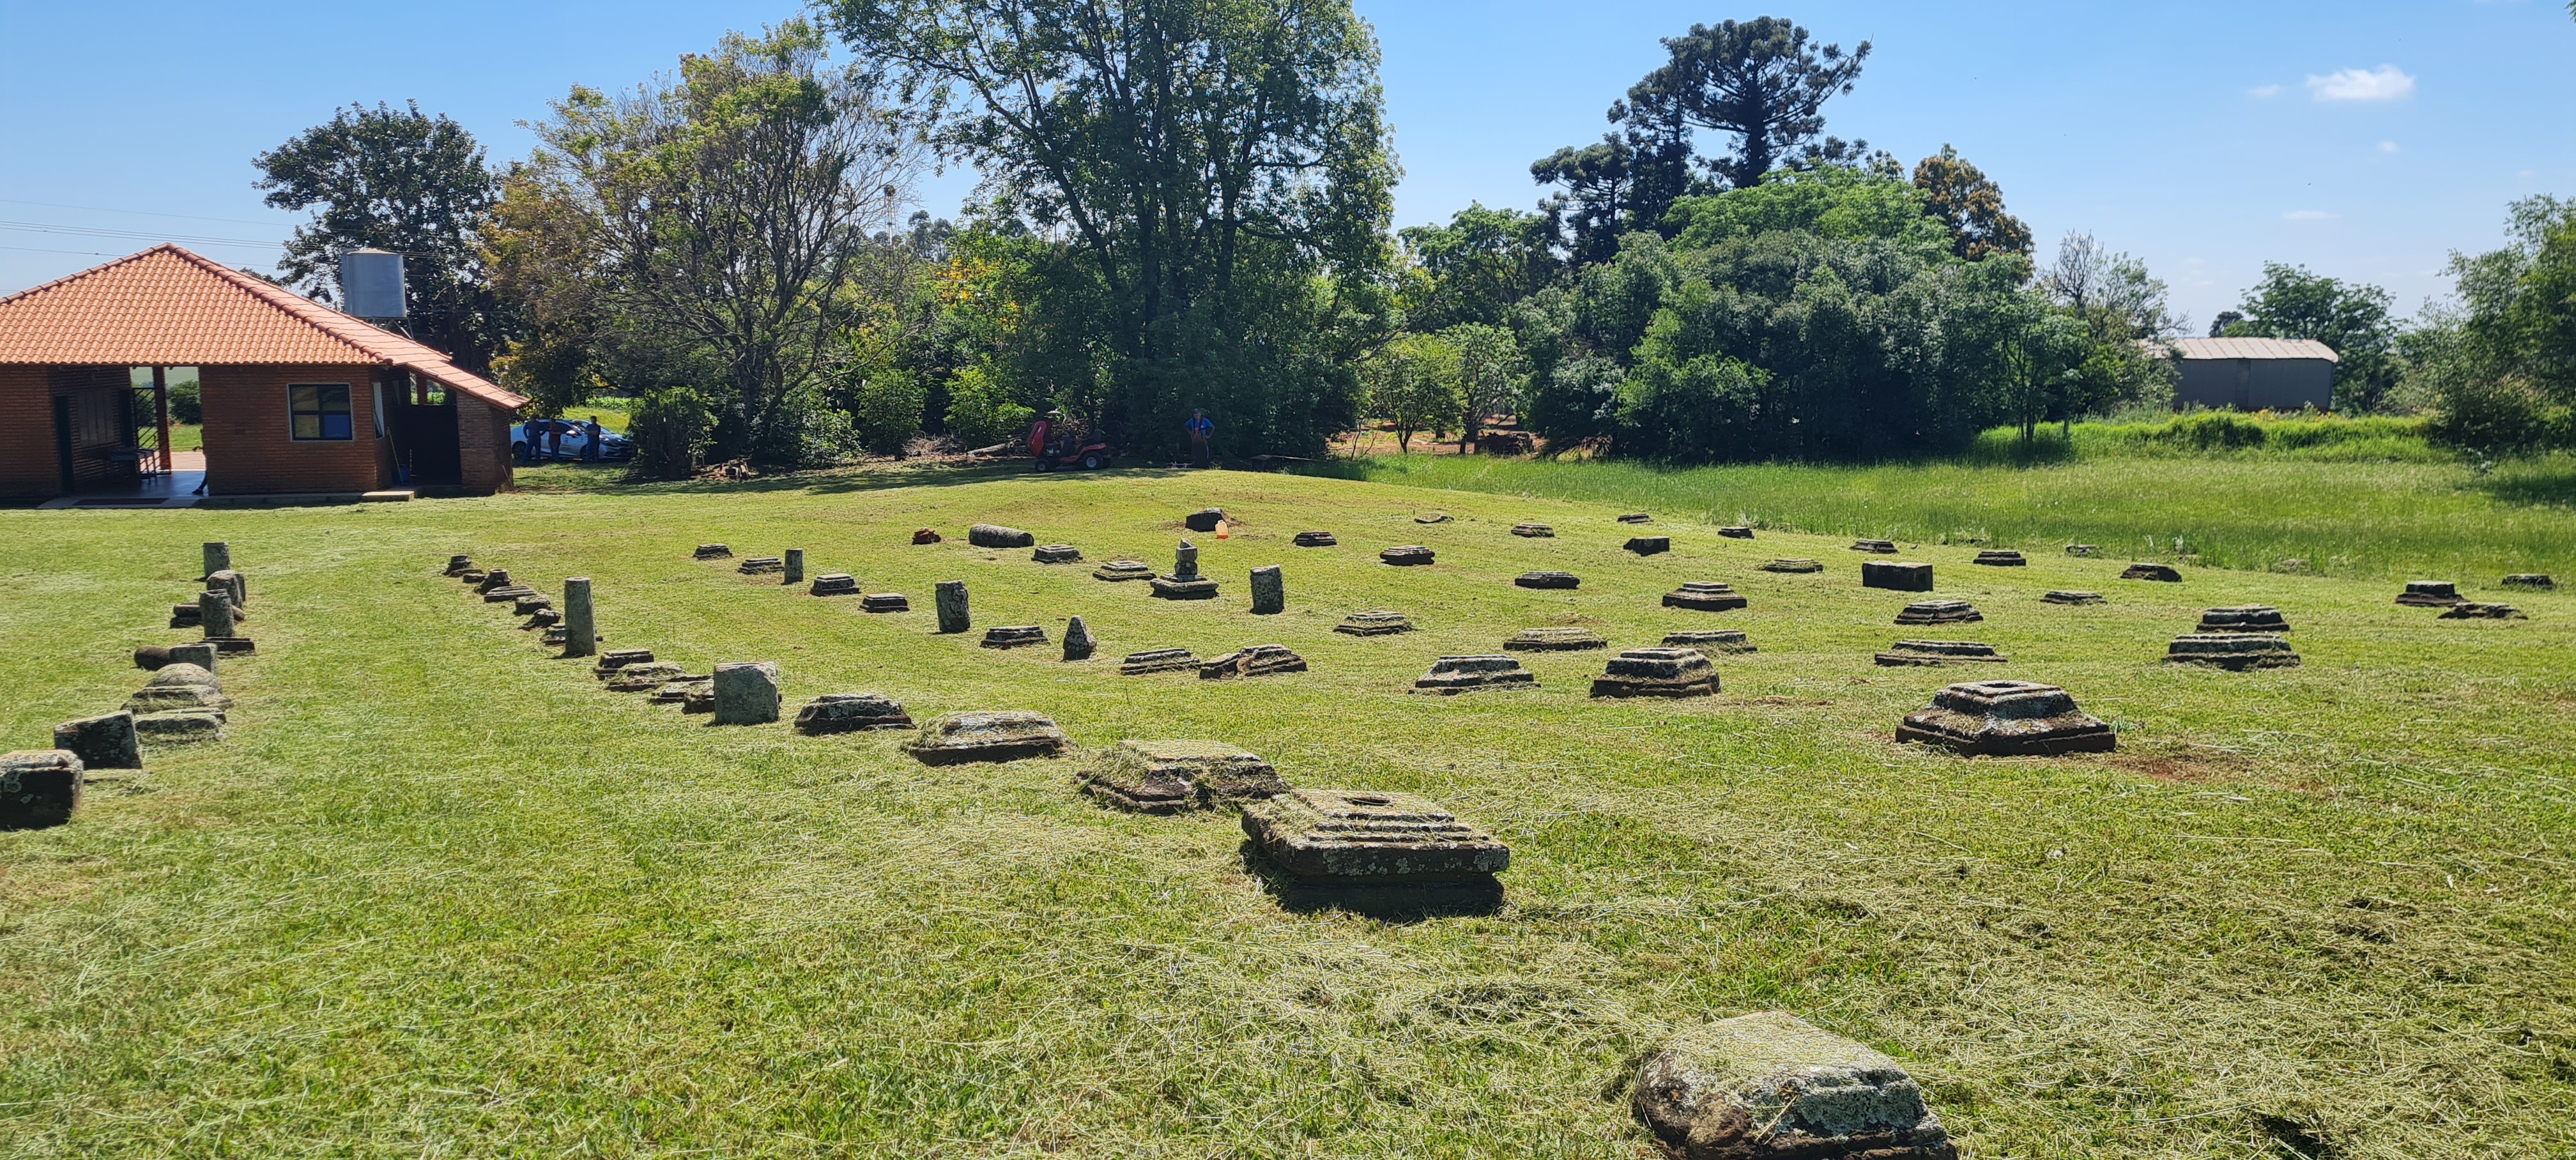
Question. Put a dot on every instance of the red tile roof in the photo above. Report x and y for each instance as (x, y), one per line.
(168, 307)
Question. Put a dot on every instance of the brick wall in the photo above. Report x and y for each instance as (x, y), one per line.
(483, 445)
(27, 466)
(248, 448)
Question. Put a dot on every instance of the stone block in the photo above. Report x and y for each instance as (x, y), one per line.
(1554, 640)
(616, 659)
(496, 578)
(2071, 597)
(215, 613)
(950, 597)
(1337, 837)
(2004, 558)
(178, 686)
(1704, 596)
(39, 788)
(746, 692)
(531, 605)
(714, 552)
(1174, 588)
(1636, 518)
(1015, 636)
(762, 566)
(2429, 594)
(2083, 550)
(684, 693)
(1736, 532)
(472, 576)
(459, 564)
(2538, 581)
(2160, 573)
(1940, 612)
(834, 584)
(1771, 1086)
(1432, 518)
(884, 602)
(580, 636)
(1450, 676)
(1875, 547)
(1314, 540)
(1078, 645)
(510, 595)
(1896, 577)
(233, 646)
(2007, 719)
(199, 653)
(1563, 580)
(1204, 519)
(1118, 570)
(1649, 545)
(997, 536)
(795, 573)
(2233, 651)
(1269, 591)
(1411, 555)
(1716, 640)
(2473, 610)
(1056, 554)
(2244, 618)
(1657, 672)
(1004, 735)
(184, 615)
(1794, 567)
(106, 741)
(1161, 660)
(1938, 652)
(1258, 660)
(1534, 531)
(924, 536)
(850, 713)
(233, 584)
(1171, 777)
(217, 556)
(1373, 624)
(180, 726)
(646, 677)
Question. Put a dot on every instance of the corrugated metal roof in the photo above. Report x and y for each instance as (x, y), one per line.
(2234, 348)
(168, 307)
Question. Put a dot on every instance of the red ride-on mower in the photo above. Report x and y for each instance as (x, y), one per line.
(1054, 451)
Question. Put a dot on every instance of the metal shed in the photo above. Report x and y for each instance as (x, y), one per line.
(2253, 374)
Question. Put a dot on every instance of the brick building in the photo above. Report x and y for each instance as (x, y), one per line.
(298, 398)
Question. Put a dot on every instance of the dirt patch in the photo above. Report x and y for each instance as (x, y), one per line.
(2180, 766)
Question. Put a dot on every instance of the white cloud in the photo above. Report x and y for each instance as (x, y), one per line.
(2388, 147)
(2264, 91)
(2384, 83)
(2310, 215)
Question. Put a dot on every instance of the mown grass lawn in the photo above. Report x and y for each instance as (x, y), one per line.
(440, 895)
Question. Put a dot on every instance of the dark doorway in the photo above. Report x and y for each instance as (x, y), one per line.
(435, 461)
(63, 442)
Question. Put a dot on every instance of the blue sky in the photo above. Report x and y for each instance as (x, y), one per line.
(2364, 139)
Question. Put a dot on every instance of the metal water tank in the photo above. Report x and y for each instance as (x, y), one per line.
(371, 283)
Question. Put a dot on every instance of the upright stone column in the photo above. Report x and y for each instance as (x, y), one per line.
(1078, 645)
(1269, 591)
(215, 612)
(746, 693)
(231, 581)
(581, 639)
(199, 654)
(1185, 561)
(795, 566)
(951, 596)
(219, 557)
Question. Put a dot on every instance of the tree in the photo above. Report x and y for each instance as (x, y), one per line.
(2507, 380)
(1479, 266)
(1489, 376)
(2352, 318)
(731, 209)
(1962, 198)
(1760, 83)
(1215, 173)
(403, 181)
(1413, 384)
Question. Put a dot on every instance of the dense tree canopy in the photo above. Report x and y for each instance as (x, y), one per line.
(1964, 199)
(2353, 318)
(399, 180)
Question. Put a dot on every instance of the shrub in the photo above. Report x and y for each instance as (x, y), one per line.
(886, 410)
(186, 406)
(981, 411)
(671, 427)
(2214, 431)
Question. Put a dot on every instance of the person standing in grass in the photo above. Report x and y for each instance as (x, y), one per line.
(1200, 429)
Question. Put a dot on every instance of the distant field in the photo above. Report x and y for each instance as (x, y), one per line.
(2414, 512)
(440, 895)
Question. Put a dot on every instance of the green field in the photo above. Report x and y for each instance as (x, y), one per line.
(440, 895)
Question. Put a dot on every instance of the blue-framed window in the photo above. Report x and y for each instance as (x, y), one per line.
(318, 411)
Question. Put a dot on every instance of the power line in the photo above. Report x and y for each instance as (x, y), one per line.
(142, 212)
(138, 235)
(34, 250)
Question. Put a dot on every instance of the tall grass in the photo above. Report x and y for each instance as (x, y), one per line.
(2367, 497)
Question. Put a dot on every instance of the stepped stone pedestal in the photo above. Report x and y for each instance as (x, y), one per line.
(1938, 652)
(2159, 573)
(2536, 581)
(1940, 612)
(1184, 582)
(1636, 518)
(1704, 596)
(834, 584)
(1554, 640)
(885, 602)
(1657, 672)
(713, 552)
(1876, 547)
(1720, 640)
(1649, 545)
(2007, 719)
(1450, 676)
(1792, 566)
(1408, 556)
(2233, 651)
(1351, 838)
(2244, 618)
(1896, 577)
(1736, 532)
(2001, 559)
(1056, 554)
(1314, 540)
(1534, 531)
(1555, 580)
(2429, 594)
(1161, 660)
(1118, 570)
(2071, 598)
(850, 713)
(1016, 636)
(2474, 610)
(1171, 777)
(1004, 735)
(1260, 660)
(762, 566)
(1771, 1086)
(1373, 624)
